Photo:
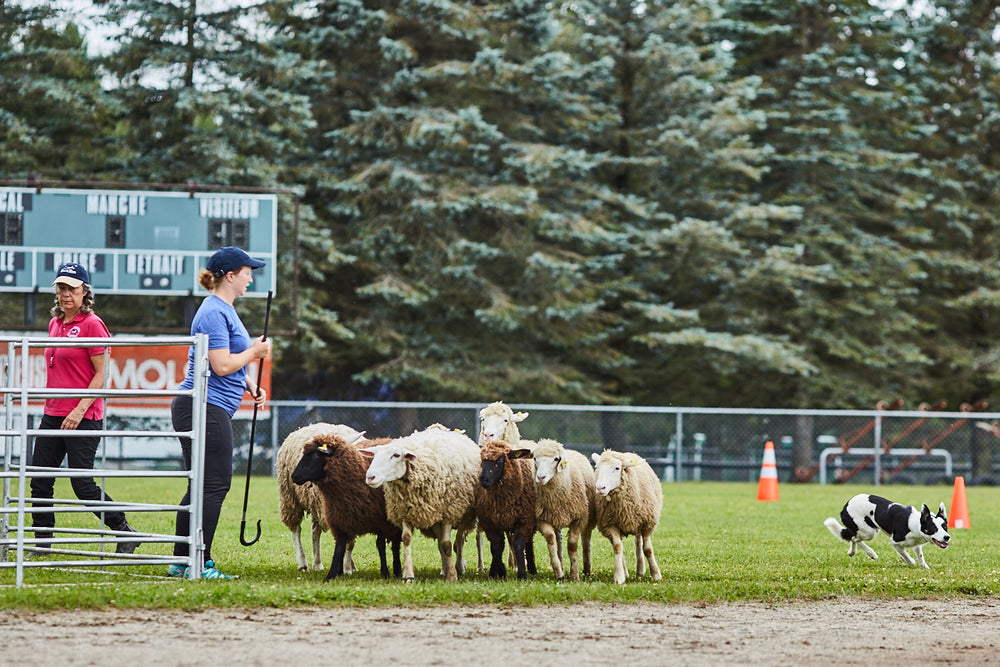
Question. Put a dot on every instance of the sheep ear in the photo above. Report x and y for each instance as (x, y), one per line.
(367, 452)
(595, 457)
(361, 436)
(563, 463)
(519, 454)
(632, 462)
(520, 416)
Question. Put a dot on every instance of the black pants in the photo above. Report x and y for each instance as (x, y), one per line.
(49, 452)
(218, 469)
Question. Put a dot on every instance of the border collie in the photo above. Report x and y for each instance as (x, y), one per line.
(908, 528)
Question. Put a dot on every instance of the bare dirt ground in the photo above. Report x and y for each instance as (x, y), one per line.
(839, 632)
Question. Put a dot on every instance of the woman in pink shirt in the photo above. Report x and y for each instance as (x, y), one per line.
(73, 368)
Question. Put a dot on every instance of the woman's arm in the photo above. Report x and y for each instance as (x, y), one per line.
(73, 419)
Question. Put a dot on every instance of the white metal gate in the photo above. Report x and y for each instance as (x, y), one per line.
(17, 537)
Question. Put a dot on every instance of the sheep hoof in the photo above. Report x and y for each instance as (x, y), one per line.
(303, 568)
(407, 580)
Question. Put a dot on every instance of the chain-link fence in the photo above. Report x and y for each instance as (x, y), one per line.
(689, 444)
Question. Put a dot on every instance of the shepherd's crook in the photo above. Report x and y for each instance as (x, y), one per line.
(253, 429)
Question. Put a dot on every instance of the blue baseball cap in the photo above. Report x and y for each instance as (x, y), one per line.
(229, 259)
(72, 274)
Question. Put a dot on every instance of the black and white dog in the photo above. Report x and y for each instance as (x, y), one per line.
(908, 528)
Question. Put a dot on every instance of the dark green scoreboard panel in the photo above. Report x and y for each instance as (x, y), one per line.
(132, 242)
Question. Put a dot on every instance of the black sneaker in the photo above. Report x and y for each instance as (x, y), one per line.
(126, 547)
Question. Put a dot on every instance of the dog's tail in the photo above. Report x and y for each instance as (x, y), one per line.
(837, 529)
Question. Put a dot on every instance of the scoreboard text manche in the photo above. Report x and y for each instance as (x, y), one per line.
(131, 242)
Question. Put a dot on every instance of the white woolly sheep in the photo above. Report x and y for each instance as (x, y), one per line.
(505, 505)
(429, 479)
(564, 498)
(629, 502)
(351, 507)
(295, 501)
(497, 421)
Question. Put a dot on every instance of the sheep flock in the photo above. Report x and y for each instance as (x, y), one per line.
(440, 483)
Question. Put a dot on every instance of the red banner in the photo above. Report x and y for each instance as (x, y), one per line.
(142, 367)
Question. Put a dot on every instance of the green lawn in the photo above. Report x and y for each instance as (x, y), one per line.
(715, 542)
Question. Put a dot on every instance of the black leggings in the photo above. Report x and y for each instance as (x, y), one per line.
(218, 469)
(49, 452)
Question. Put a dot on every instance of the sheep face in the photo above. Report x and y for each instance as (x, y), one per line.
(389, 463)
(495, 420)
(548, 464)
(312, 465)
(608, 472)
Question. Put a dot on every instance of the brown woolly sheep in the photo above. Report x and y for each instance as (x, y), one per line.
(629, 502)
(295, 501)
(351, 507)
(505, 504)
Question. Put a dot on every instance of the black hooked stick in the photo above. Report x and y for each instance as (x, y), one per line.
(253, 431)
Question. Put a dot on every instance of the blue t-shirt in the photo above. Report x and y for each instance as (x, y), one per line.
(219, 321)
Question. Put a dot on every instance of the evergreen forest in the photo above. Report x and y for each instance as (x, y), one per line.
(734, 203)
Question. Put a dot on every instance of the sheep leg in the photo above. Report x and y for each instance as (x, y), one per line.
(349, 567)
(621, 573)
(461, 534)
(549, 533)
(337, 565)
(384, 565)
(640, 565)
(300, 554)
(445, 547)
(511, 563)
(317, 533)
(647, 549)
(529, 553)
(397, 568)
(480, 567)
(586, 535)
(407, 540)
(497, 569)
(572, 548)
(519, 547)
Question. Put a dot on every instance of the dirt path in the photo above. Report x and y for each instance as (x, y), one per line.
(843, 632)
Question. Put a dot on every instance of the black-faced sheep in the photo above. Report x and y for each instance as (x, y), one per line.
(295, 501)
(564, 498)
(505, 505)
(498, 421)
(351, 507)
(629, 502)
(430, 479)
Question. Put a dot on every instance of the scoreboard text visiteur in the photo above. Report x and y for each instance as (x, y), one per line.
(132, 242)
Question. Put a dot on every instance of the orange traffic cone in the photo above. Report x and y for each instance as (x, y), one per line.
(767, 487)
(958, 517)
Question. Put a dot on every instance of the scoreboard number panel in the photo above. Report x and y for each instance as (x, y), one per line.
(132, 242)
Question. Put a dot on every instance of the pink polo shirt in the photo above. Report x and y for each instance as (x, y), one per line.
(71, 367)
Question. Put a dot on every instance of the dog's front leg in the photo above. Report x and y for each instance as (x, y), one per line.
(919, 551)
(905, 556)
(867, 549)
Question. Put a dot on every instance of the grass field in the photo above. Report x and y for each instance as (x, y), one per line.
(715, 542)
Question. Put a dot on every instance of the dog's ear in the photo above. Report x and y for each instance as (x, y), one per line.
(925, 512)
(942, 512)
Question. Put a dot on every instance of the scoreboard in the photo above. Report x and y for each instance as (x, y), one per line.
(131, 242)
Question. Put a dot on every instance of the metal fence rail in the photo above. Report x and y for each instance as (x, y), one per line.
(689, 444)
(17, 537)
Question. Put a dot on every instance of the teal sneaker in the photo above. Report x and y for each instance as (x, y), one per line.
(211, 573)
(174, 570)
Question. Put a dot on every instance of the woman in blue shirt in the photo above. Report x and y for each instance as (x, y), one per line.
(230, 350)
